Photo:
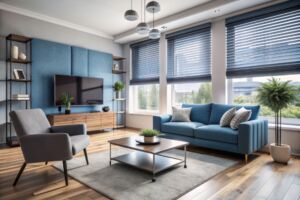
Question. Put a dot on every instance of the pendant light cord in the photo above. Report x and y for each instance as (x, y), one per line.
(131, 4)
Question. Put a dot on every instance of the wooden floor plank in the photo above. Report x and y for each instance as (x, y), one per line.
(260, 179)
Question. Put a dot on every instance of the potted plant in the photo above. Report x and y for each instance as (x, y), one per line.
(66, 100)
(119, 86)
(149, 135)
(277, 95)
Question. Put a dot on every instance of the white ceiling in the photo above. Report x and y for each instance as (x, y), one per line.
(105, 17)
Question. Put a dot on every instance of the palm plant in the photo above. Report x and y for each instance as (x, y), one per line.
(66, 99)
(276, 95)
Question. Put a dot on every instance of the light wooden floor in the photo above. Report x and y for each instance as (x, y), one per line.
(259, 179)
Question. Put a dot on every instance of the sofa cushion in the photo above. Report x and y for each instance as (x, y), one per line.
(180, 128)
(181, 114)
(200, 112)
(217, 133)
(217, 111)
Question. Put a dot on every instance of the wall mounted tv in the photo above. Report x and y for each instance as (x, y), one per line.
(84, 90)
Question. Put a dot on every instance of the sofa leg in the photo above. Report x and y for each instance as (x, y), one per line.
(46, 163)
(66, 172)
(246, 158)
(19, 174)
(86, 156)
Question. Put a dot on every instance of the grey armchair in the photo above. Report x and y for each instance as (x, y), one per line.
(42, 143)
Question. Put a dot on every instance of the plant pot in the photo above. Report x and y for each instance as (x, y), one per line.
(149, 139)
(118, 94)
(67, 112)
(281, 153)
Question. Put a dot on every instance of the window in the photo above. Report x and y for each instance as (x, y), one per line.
(145, 98)
(242, 91)
(144, 82)
(262, 44)
(189, 66)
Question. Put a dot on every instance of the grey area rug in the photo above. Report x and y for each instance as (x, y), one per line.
(122, 182)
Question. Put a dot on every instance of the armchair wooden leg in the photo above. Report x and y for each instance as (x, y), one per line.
(246, 158)
(86, 156)
(19, 174)
(66, 172)
(46, 163)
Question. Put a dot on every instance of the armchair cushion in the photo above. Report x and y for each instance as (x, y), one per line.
(46, 147)
(79, 142)
(72, 129)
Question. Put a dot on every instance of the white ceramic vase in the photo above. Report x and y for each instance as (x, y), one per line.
(15, 52)
(118, 94)
(22, 56)
(281, 153)
(149, 139)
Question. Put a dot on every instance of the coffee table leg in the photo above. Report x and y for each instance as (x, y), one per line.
(153, 169)
(185, 157)
(109, 153)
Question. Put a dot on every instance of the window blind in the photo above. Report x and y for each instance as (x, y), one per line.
(145, 62)
(264, 42)
(189, 54)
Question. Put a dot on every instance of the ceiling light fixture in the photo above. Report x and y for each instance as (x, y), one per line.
(131, 15)
(142, 28)
(153, 6)
(154, 33)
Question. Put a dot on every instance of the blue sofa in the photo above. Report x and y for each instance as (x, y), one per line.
(204, 129)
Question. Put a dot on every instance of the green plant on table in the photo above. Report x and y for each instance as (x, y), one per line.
(149, 133)
(66, 100)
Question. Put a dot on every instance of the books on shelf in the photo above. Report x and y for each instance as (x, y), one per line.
(20, 97)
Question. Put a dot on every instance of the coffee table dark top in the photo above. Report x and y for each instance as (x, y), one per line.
(164, 145)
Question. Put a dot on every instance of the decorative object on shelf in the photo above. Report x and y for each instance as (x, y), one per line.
(142, 28)
(105, 108)
(119, 86)
(150, 135)
(20, 97)
(154, 33)
(277, 95)
(19, 74)
(116, 67)
(67, 99)
(22, 56)
(131, 15)
(15, 52)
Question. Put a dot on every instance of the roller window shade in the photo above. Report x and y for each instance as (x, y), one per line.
(264, 42)
(145, 62)
(189, 54)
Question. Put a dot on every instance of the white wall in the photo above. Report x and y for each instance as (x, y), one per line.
(289, 136)
(22, 25)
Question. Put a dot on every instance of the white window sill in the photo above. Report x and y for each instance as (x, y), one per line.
(286, 127)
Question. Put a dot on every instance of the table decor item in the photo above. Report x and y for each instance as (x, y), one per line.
(276, 95)
(105, 108)
(67, 99)
(150, 135)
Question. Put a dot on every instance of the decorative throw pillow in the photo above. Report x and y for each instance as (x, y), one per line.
(181, 114)
(242, 115)
(227, 117)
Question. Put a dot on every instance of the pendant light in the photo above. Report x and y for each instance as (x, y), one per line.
(142, 28)
(154, 32)
(131, 15)
(153, 6)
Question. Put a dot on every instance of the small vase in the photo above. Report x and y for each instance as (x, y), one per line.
(281, 153)
(118, 94)
(15, 52)
(149, 139)
(67, 111)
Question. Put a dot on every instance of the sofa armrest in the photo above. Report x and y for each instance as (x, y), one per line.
(46, 147)
(253, 135)
(72, 129)
(159, 120)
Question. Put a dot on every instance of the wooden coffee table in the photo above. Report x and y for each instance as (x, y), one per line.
(148, 157)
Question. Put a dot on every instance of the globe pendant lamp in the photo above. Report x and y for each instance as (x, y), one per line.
(153, 6)
(154, 32)
(142, 28)
(131, 15)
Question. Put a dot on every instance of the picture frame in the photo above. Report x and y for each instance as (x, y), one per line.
(19, 74)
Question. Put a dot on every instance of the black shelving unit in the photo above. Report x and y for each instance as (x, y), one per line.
(119, 104)
(12, 83)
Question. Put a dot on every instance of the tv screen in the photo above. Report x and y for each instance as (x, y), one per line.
(84, 90)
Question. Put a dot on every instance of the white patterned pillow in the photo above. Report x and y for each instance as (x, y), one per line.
(242, 115)
(227, 117)
(181, 114)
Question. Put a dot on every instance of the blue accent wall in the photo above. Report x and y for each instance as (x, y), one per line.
(50, 58)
